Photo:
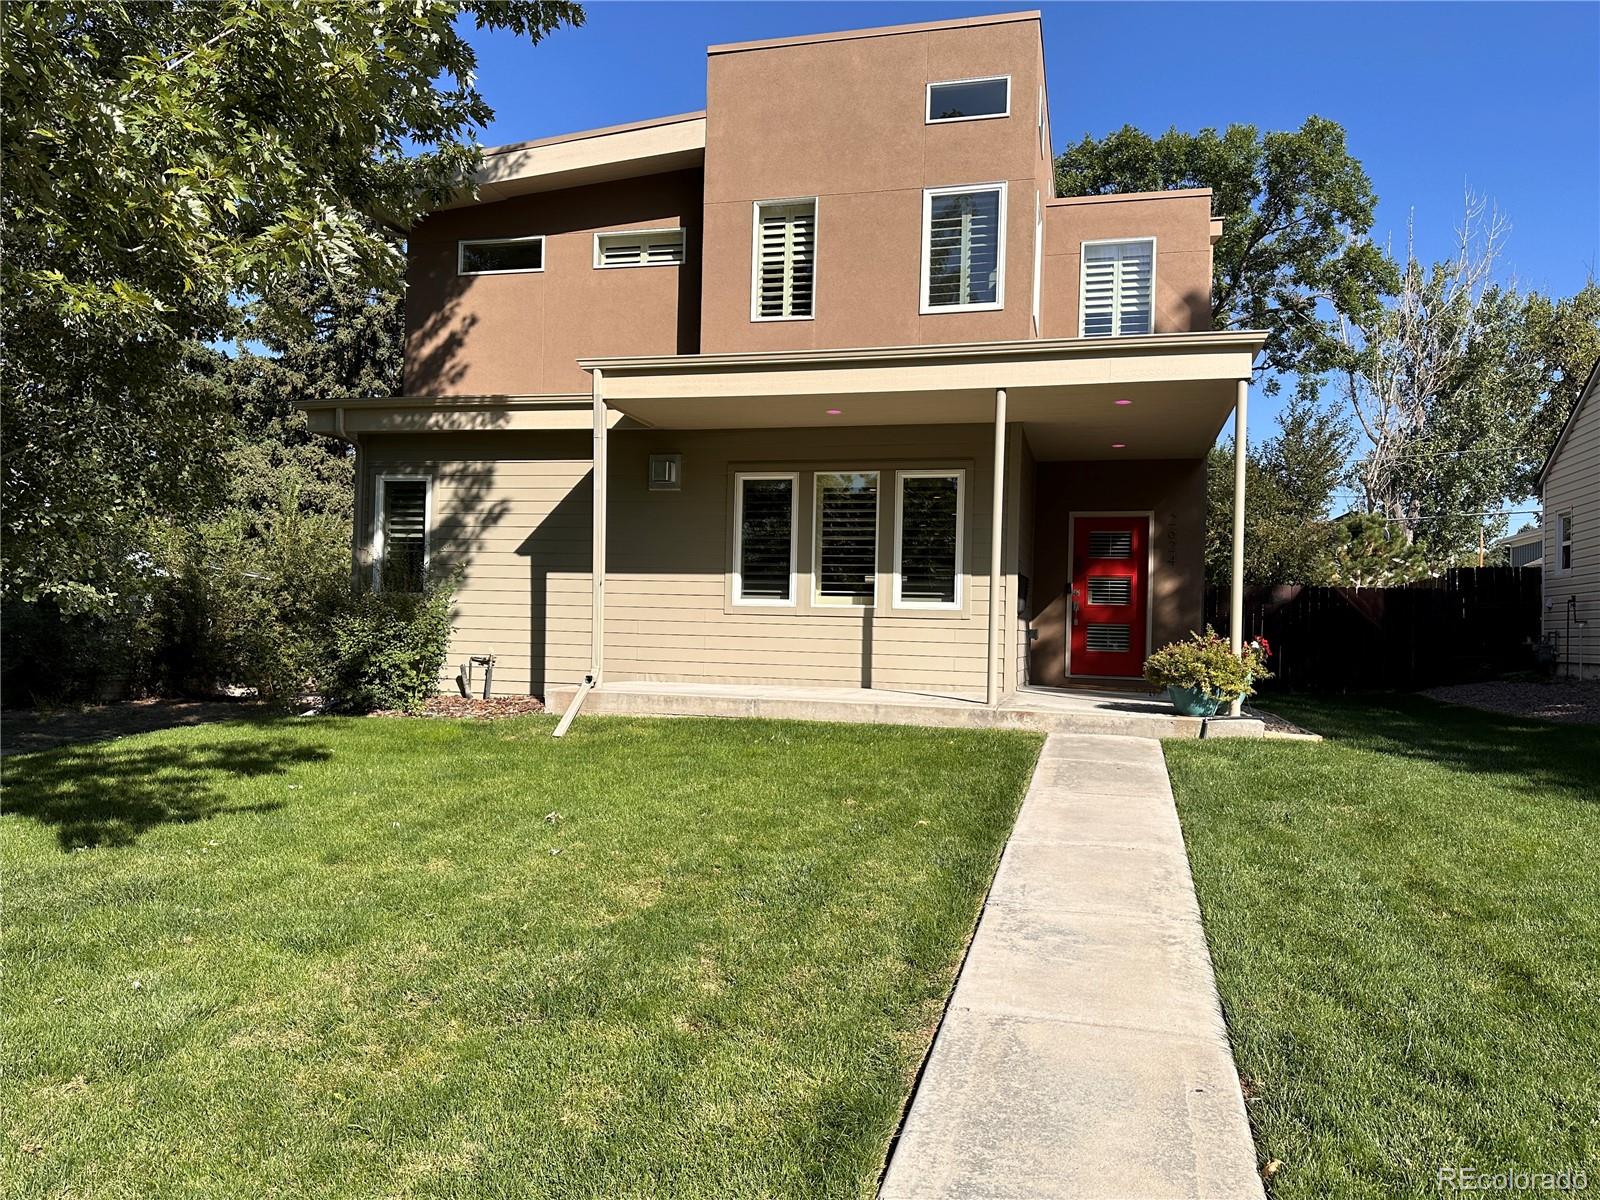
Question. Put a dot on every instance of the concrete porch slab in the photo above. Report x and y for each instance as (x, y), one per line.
(1043, 710)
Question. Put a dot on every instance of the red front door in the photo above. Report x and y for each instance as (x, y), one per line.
(1110, 565)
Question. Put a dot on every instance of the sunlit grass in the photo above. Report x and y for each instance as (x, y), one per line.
(1405, 921)
(379, 957)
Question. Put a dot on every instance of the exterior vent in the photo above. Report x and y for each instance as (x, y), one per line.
(1110, 589)
(666, 472)
(1110, 543)
(1107, 639)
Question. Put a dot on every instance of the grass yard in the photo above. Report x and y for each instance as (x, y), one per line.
(1405, 923)
(430, 958)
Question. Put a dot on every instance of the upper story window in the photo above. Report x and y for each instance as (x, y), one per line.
(969, 99)
(499, 256)
(639, 248)
(1118, 288)
(785, 260)
(400, 536)
(964, 248)
(1564, 542)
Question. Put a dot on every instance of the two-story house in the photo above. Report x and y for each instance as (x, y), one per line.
(823, 386)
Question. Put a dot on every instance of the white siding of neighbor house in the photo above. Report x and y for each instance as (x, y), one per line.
(1573, 486)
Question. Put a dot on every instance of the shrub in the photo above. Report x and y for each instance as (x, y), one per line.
(247, 600)
(387, 649)
(1206, 663)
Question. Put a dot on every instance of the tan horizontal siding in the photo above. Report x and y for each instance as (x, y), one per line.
(517, 530)
(1573, 486)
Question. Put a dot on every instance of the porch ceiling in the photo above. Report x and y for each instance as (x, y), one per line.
(1180, 389)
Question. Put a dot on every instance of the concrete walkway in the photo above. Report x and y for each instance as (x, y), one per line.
(1084, 1052)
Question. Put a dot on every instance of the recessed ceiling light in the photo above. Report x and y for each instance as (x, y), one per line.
(1119, 445)
(1123, 403)
(834, 412)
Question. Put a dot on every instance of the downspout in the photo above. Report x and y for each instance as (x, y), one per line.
(597, 572)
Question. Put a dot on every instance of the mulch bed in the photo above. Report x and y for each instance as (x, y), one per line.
(1554, 700)
(465, 706)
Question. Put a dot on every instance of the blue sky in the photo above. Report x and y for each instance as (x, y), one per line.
(1504, 98)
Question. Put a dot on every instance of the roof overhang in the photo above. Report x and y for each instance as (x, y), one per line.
(595, 156)
(1179, 388)
(349, 418)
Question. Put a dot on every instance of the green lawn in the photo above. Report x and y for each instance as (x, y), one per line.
(381, 957)
(1405, 922)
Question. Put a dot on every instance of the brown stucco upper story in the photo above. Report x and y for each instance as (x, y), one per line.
(843, 122)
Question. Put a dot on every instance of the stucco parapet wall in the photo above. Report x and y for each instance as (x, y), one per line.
(1131, 197)
(650, 147)
(451, 414)
(848, 35)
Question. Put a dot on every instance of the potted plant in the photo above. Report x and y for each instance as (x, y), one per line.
(1202, 673)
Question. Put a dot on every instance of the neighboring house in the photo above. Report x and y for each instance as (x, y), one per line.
(868, 404)
(1569, 492)
(1524, 548)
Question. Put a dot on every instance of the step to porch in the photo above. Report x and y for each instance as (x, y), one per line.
(1043, 710)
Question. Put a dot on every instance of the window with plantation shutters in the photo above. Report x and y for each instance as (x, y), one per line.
(764, 555)
(639, 248)
(846, 536)
(927, 539)
(1118, 288)
(400, 553)
(963, 238)
(785, 260)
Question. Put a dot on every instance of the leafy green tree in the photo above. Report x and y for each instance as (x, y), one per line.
(1558, 347)
(169, 168)
(1296, 208)
(1290, 481)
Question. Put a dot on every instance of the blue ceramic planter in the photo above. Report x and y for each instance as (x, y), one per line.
(1192, 702)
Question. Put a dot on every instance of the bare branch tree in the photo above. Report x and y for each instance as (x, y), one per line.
(1406, 367)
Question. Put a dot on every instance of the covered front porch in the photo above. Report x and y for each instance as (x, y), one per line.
(1023, 429)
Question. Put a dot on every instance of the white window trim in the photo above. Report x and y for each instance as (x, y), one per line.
(376, 550)
(1083, 276)
(818, 600)
(1563, 541)
(461, 255)
(960, 477)
(755, 254)
(1038, 258)
(600, 265)
(927, 101)
(999, 301)
(738, 539)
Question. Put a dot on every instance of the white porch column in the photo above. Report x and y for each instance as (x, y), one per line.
(1236, 588)
(597, 629)
(996, 549)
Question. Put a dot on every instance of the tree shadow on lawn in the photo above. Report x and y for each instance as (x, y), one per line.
(1530, 755)
(99, 797)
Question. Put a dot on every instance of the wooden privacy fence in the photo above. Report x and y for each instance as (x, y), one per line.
(1472, 623)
